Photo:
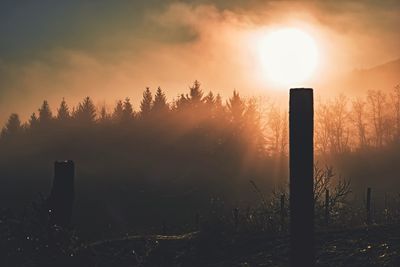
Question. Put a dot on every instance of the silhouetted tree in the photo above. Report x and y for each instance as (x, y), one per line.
(13, 126)
(253, 129)
(45, 114)
(340, 132)
(209, 103)
(377, 102)
(195, 95)
(118, 111)
(86, 111)
(181, 103)
(103, 115)
(395, 97)
(322, 128)
(359, 120)
(219, 107)
(236, 108)
(333, 126)
(146, 103)
(275, 124)
(209, 99)
(160, 104)
(63, 111)
(33, 121)
(127, 112)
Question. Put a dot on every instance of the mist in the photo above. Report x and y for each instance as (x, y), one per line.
(201, 41)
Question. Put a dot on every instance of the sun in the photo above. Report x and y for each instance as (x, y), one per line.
(289, 56)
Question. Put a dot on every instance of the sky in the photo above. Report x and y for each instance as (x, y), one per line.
(110, 50)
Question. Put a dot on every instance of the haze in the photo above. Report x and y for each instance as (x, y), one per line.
(111, 50)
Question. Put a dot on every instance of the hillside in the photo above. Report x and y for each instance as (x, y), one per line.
(382, 77)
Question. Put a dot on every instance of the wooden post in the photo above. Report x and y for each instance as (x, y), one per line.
(327, 207)
(61, 198)
(283, 213)
(301, 119)
(369, 220)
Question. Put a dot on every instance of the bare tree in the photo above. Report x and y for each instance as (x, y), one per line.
(278, 130)
(395, 98)
(377, 102)
(322, 128)
(324, 179)
(358, 118)
(339, 132)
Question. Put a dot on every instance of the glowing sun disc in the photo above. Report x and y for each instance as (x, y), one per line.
(289, 56)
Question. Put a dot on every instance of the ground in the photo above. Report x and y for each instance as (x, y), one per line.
(363, 246)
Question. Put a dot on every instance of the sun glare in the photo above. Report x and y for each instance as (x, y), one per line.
(289, 56)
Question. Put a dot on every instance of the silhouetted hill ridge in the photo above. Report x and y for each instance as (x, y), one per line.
(381, 77)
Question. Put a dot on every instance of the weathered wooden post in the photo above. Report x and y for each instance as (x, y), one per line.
(327, 207)
(369, 220)
(301, 120)
(282, 213)
(61, 198)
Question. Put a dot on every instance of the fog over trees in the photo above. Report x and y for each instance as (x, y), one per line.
(166, 159)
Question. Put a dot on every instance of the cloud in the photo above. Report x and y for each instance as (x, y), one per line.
(180, 42)
(125, 72)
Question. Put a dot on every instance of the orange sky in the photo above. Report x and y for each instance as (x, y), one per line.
(119, 54)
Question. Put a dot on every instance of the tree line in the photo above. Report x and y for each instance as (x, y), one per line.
(341, 124)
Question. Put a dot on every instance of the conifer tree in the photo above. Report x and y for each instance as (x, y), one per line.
(86, 111)
(63, 111)
(103, 115)
(146, 103)
(33, 121)
(209, 102)
(219, 110)
(209, 99)
(118, 111)
(236, 107)
(196, 94)
(13, 126)
(182, 102)
(160, 104)
(218, 103)
(127, 112)
(45, 114)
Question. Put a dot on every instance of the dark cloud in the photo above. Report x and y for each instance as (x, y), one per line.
(28, 28)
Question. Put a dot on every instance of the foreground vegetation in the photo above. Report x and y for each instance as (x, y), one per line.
(219, 241)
